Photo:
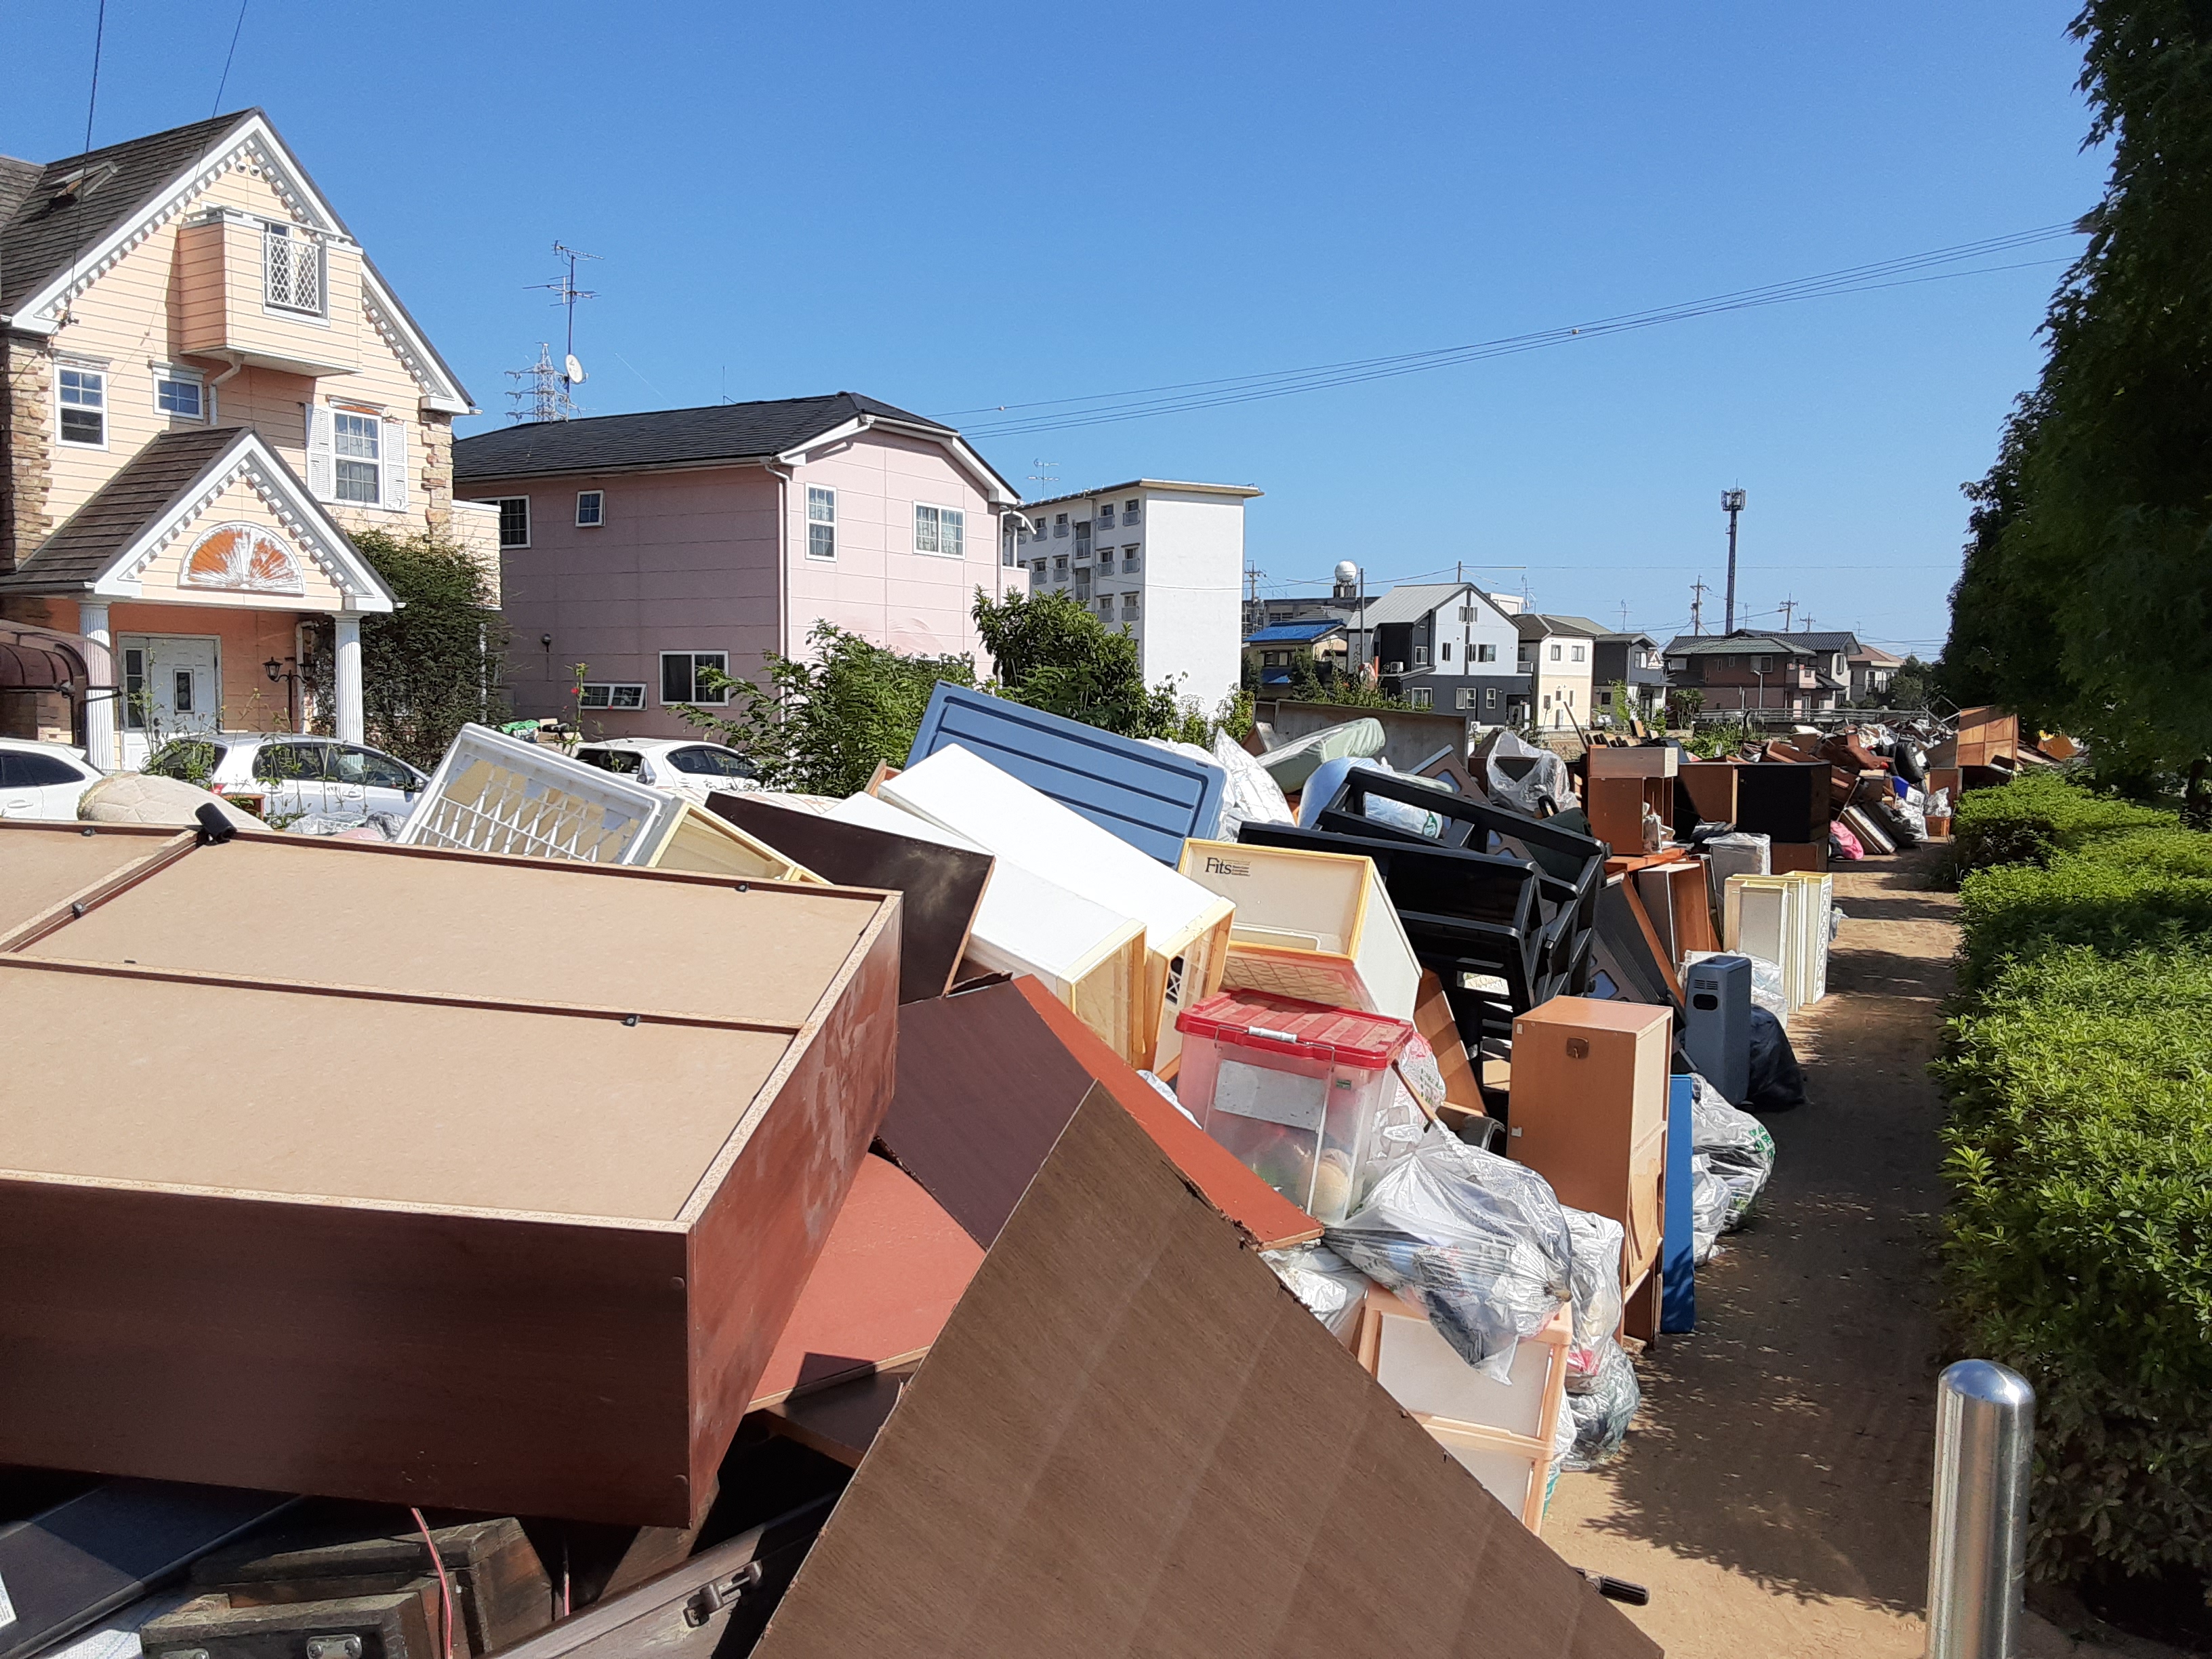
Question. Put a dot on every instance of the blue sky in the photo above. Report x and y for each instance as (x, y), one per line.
(956, 208)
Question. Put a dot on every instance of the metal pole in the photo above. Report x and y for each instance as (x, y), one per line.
(1731, 504)
(1977, 1539)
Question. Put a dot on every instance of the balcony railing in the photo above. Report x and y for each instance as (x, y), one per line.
(294, 269)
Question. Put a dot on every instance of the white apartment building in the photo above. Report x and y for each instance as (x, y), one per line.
(1163, 560)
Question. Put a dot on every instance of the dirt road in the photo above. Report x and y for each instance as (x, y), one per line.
(1775, 1495)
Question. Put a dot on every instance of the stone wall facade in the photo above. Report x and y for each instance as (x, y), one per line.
(26, 445)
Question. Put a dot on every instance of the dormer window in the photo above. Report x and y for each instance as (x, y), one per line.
(292, 267)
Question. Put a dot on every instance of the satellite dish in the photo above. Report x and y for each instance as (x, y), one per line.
(575, 370)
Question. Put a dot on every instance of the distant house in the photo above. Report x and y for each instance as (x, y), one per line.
(1558, 653)
(1275, 651)
(645, 553)
(1775, 673)
(1448, 646)
(1162, 561)
(1872, 670)
(1632, 659)
(208, 391)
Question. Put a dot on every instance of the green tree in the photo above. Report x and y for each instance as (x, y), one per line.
(2086, 601)
(1054, 654)
(820, 725)
(1305, 678)
(433, 664)
(1912, 686)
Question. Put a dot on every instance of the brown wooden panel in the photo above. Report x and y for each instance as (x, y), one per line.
(885, 1283)
(771, 1213)
(44, 864)
(518, 1367)
(1130, 1440)
(1270, 1219)
(943, 884)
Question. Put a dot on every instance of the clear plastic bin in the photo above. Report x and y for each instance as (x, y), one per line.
(1304, 1095)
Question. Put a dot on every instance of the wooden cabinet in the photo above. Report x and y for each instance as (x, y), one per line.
(1588, 1114)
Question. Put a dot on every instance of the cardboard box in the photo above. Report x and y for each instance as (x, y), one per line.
(1316, 926)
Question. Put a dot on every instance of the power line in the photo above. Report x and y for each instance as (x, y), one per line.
(1142, 403)
(99, 35)
(227, 55)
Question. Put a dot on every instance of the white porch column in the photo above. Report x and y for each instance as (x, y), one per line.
(99, 746)
(350, 727)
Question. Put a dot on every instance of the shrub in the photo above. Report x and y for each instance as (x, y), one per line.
(2079, 1244)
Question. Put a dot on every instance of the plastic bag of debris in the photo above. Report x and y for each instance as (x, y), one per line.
(1603, 1407)
(1251, 797)
(1477, 1242)
(1736, 1147)
(1711, 1200)
(1597, 1242)
(1526, 776)
(1331, 1287)
(1739, 854)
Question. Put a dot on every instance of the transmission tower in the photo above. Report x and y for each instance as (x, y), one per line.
(541, 392)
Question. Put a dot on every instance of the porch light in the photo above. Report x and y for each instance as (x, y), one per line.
(274, 668)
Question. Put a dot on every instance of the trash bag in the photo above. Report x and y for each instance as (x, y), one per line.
(1542, 785)
(1776, 1085)
(1843, 844)
(1331, 1287)
(1478, 1243)
(1597, 1243)
(1251, 797)
(1711, 1200)
(1603, 1407)
(1911, 761)
(1738, 1150)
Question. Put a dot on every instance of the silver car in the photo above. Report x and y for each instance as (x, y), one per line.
(297, 775)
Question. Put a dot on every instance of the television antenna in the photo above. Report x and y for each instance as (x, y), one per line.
(565, 295)
(1044, 473)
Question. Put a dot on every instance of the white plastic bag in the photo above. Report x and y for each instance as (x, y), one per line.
(1477, 1242)
(1251, 796)
(1737, 1149)
(1711, 1200)
(1603, 1407)
(1331, 1287)
(1545, 787)
(1597, 1243)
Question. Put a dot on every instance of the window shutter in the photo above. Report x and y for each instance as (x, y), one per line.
(320, 482)
(394, 484)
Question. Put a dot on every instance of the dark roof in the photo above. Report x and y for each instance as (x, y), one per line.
(151, 481)
(1295, 633)
(1738, 643)
(1630, 638)
(1530, 626)
(1845, 642)
(665, 437)
(1562, 624)
(40, 237)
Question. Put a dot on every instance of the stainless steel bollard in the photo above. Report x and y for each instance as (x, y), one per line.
(1977, 1542)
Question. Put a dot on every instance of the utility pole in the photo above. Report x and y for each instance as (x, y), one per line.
(1254, 617)
(1698, 592)
(1731, 504)
(1624, 615)
(1788, 606)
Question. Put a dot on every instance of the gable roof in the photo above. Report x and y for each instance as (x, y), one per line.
(1573, 625)
(1632, 637)
(1297, 633)
(1713, 645)
(1845, 641)
(51, 245)
(157, 488)
(1410, 601)
(719, 434)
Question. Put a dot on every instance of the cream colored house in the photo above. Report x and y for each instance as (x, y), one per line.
(206, 387)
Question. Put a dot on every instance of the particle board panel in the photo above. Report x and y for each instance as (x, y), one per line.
(942, 885)
(894, 1266)
(1131, 1439)
(458, 923)
(47, 865)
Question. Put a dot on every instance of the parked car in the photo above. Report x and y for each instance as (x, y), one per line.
(42, 780)
(695, 769)
(296, 775)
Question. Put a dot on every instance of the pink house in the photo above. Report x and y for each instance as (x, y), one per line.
(648, 547)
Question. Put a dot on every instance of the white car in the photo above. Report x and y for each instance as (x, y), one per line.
(297, 775)
(678, 764)
(42, 780)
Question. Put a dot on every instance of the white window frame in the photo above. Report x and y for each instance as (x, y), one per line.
(169, 374)
(1420, 656)
(597, 498)
(1422, 697)
(930, 524)
(824, 497)
(98, 371)
(374, 421)
(666, 701)
(607, 691)
(274, 231)
(1555, 654)
(1576, 653)
(501, 503)
(1486, 652)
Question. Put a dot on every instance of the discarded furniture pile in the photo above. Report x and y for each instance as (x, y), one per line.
(1061, 1199)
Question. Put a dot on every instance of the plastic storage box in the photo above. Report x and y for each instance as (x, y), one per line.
(1304, 1095)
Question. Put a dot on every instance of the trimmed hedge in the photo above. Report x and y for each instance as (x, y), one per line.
(2079, 1244)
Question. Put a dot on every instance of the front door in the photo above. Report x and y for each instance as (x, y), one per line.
(172, 685)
